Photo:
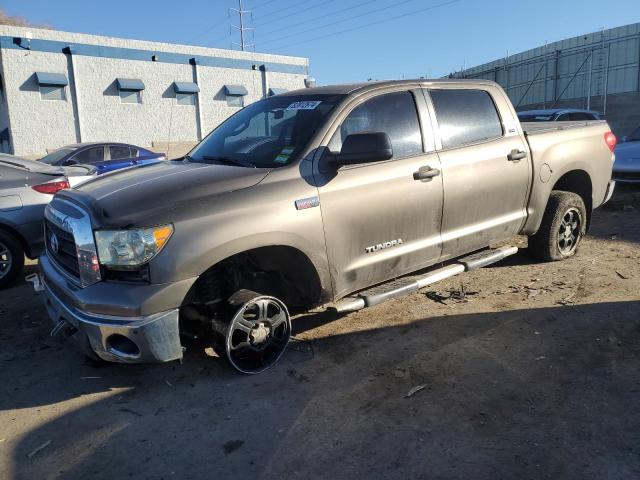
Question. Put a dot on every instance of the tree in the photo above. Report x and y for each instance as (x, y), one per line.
(6, 19)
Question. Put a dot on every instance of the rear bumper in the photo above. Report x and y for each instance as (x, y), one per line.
(609, 193)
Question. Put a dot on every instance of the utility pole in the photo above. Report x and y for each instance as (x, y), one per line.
(242, 29)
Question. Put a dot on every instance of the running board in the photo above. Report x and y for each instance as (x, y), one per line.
(406, 285)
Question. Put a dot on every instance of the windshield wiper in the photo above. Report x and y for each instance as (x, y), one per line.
(228, 161)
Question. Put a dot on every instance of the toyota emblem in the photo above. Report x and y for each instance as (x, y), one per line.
(54, 243)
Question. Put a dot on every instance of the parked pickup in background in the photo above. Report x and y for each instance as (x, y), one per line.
(106, 157)
(558, 115)
(341, 195)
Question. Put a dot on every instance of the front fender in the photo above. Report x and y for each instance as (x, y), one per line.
(261, 216)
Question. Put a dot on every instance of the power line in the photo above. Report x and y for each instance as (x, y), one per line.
(264, 4)
(205, 32)
(294, 13)
(421, 10)
(319, 17)
(289, 13)
(335, 22)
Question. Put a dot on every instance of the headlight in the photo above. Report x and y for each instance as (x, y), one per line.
(131, 248)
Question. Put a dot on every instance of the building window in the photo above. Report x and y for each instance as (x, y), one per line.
(186, 98)
(128, 96)
(130, 90)
(52, 85)
(52, 92)
(235, 101)
(235, 95)
(185, 92)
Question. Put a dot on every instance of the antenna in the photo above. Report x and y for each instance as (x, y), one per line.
(241, 28)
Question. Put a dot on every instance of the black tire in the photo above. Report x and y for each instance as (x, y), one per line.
(11, 258)
(257, 333)
(563, 226)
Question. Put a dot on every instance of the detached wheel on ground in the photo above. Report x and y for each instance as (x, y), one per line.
(258, 332)
(563, 227)
(11, 258)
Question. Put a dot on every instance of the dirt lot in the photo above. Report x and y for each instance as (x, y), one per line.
(535, 373)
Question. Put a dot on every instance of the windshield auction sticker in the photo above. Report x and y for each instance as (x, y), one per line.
(284, 155)
(310, 105)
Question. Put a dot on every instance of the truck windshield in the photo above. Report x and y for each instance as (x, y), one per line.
(266, 134)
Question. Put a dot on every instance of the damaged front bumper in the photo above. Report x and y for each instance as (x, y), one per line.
(149, 338)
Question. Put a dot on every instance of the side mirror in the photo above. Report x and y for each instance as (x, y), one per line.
(69, 163)
(367, 147)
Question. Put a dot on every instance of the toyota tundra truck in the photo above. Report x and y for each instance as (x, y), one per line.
(338, 196)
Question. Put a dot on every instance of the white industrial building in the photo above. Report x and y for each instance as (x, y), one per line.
(59, 88)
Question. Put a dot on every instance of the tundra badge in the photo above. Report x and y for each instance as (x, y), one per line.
(382, 246)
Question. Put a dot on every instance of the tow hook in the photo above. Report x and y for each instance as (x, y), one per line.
(34, 278)
(63, 329)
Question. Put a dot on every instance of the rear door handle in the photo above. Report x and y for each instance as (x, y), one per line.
(516, 155)
(426, 173)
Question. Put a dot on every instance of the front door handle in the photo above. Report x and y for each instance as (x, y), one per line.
(426, 173)
(516, 155)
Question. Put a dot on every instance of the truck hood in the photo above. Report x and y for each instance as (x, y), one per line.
(147, 193)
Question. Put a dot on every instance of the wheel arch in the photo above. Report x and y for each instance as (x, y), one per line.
(577, 181)
(574, 178)
(299, 280)
(18, 236)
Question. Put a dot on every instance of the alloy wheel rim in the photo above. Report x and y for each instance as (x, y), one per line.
(570, 231)
(258, 335)
(6, 260)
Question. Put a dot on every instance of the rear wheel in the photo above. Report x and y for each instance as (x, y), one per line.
(11, 258)
(562, 229)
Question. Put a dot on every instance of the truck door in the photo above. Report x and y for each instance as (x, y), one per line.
(486, 170)
(380, 221)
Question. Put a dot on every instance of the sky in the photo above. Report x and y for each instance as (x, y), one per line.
(345, 40)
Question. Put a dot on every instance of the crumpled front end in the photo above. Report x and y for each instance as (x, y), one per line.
(115, 321)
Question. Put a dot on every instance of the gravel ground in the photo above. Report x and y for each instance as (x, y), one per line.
(520, 370)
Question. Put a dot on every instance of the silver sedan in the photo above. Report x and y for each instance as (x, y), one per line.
(26, 187)
(626, 169)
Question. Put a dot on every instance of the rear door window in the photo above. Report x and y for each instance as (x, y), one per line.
(89, 155)
(119, 152)
(465, 117)
(394, 114)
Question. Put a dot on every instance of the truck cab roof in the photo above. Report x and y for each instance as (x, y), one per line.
(351, 88)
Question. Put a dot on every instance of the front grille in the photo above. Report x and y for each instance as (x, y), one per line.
(67, 256)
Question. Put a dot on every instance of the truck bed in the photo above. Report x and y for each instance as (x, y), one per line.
(534, 128)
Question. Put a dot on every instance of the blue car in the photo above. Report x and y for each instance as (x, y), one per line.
(106, 157)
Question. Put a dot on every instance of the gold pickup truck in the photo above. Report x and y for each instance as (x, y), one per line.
(342, 196)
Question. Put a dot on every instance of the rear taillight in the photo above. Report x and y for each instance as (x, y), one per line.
(51, 187)
(611, 140)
